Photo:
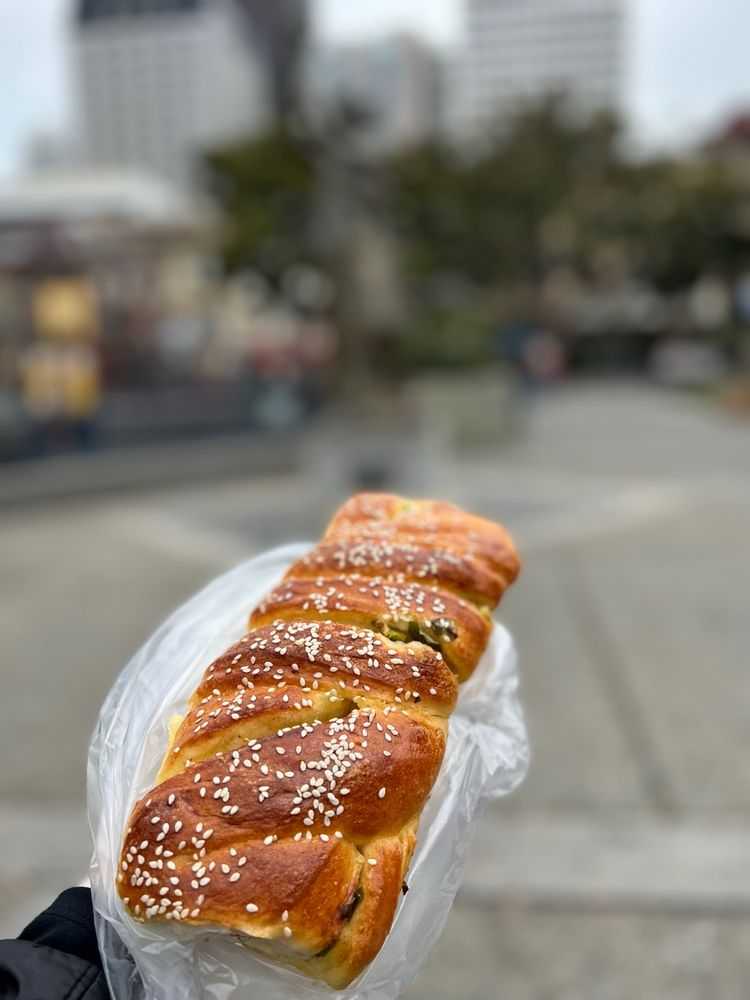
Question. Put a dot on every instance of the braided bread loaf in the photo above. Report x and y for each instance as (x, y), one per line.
(287, 804)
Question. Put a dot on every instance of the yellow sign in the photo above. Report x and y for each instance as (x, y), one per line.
(66, 309)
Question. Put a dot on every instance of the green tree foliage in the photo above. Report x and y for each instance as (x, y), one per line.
(691, 215)
(545, 191)
(266, 191)
(482, 217)
(489, 217)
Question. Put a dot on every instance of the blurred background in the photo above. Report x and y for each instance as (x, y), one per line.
(254, 256)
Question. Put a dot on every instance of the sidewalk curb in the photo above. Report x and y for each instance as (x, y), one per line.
(132, 469)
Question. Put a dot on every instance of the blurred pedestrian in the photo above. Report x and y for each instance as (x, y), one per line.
(81, 392)
(61, 393)
(42, 392)
(542, 358)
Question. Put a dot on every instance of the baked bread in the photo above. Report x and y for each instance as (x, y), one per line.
(286, 808)
(423, 541)
(394, 607)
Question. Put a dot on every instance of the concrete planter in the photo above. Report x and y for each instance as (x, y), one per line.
(473, 409)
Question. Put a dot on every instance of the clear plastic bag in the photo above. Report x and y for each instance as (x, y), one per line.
(486, 757)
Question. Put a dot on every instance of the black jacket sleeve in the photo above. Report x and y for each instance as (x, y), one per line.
(56, 957)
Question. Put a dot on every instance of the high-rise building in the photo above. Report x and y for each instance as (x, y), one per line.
(457, 124)
(159, 81)
(396, 79)
(520, 51)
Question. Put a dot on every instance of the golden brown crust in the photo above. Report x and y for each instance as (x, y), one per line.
(287, 672)
(379, 891)
(287, 804)
(398, 609)
(309, 882)
(297, 806)
(250, 792)
(419, 562)
(432, 523)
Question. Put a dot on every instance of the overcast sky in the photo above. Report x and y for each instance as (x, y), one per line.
(689, 60)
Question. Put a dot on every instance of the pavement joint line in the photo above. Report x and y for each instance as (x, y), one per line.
(520, 480)
(625, 512)
(476, 898)
(186, 537)
(612, 669)
(598, 860)
(180, 537)
(603, 861)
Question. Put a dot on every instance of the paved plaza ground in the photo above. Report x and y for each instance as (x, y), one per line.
(621, 869)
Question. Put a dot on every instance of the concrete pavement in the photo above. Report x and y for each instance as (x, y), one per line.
(620, 869)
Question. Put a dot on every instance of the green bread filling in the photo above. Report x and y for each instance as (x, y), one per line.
(433, 634)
